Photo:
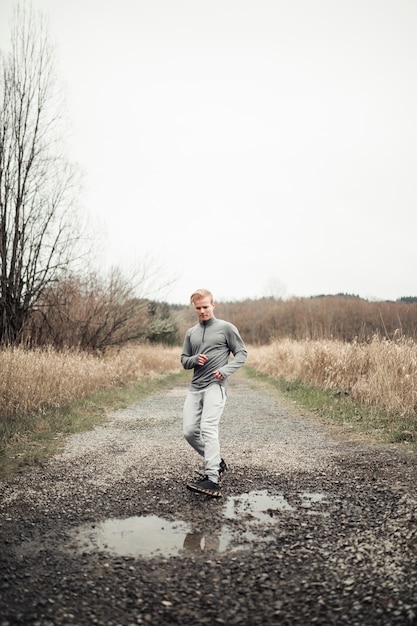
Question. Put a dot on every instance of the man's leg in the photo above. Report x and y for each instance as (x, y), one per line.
(214, 403)
(193, 407)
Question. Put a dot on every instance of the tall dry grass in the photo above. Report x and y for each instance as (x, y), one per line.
(381, 373)
(37, 379)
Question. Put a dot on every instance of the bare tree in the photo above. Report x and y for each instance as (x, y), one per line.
(95, 311)
(90, 313)
(37, 184)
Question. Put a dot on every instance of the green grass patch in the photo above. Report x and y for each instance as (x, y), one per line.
(31, 439)
(338, 409)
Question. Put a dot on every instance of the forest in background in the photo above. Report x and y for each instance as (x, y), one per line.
(341, 317)
(96, 316)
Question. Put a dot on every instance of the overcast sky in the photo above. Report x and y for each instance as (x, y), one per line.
(251, 147)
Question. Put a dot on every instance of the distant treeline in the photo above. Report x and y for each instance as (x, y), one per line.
(94, 317)
(343, 317)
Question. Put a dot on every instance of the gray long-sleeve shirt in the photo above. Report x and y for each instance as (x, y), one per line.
(218, 339)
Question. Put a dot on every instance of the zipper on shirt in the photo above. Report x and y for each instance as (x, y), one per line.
(202, 338)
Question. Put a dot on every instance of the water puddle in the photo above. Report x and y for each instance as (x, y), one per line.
(256, 505)
(134, 536)
(149, 536)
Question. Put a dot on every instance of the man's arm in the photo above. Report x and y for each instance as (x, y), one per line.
(188, 360)
(238, 349)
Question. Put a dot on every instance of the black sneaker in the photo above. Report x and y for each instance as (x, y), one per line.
(205, 486)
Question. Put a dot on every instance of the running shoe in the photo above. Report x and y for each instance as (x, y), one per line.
(206, 487)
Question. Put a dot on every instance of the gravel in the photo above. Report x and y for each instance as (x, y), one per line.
(314, 526)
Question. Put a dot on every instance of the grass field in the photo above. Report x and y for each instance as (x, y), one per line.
(372, 386)
(46, 395)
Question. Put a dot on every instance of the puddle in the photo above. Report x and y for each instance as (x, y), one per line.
(149, 536)
(262, 507)
(258, 505)
(134, 536)
(199, 542)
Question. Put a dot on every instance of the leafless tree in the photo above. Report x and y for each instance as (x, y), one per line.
(37, 184)
(95, 311)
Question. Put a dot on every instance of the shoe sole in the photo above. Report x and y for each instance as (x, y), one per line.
(206, 492)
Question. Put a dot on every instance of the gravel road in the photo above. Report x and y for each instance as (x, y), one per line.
(313, 527)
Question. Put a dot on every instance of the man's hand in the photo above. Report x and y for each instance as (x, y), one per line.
(218, 375)
(202, 359)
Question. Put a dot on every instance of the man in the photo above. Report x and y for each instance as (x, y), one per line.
(207, 348)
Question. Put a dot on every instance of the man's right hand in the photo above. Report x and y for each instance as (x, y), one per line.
(202, 359)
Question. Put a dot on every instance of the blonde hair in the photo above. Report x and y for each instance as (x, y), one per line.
(201, 293)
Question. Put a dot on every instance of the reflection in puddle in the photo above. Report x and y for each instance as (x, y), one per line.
(151, 535)
(148, 536)
(199, 542)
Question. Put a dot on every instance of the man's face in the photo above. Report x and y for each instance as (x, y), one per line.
(204, 308)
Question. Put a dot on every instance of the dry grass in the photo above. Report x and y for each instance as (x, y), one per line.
(34, 380)
(380, 373)
(45, 395)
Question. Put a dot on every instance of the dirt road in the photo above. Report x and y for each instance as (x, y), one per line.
(312, 528)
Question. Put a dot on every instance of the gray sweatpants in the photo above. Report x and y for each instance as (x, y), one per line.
(202, 413)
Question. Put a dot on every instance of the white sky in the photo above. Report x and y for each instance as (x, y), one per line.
(253, 147)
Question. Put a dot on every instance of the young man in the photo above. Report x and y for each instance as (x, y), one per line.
(207, 347)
